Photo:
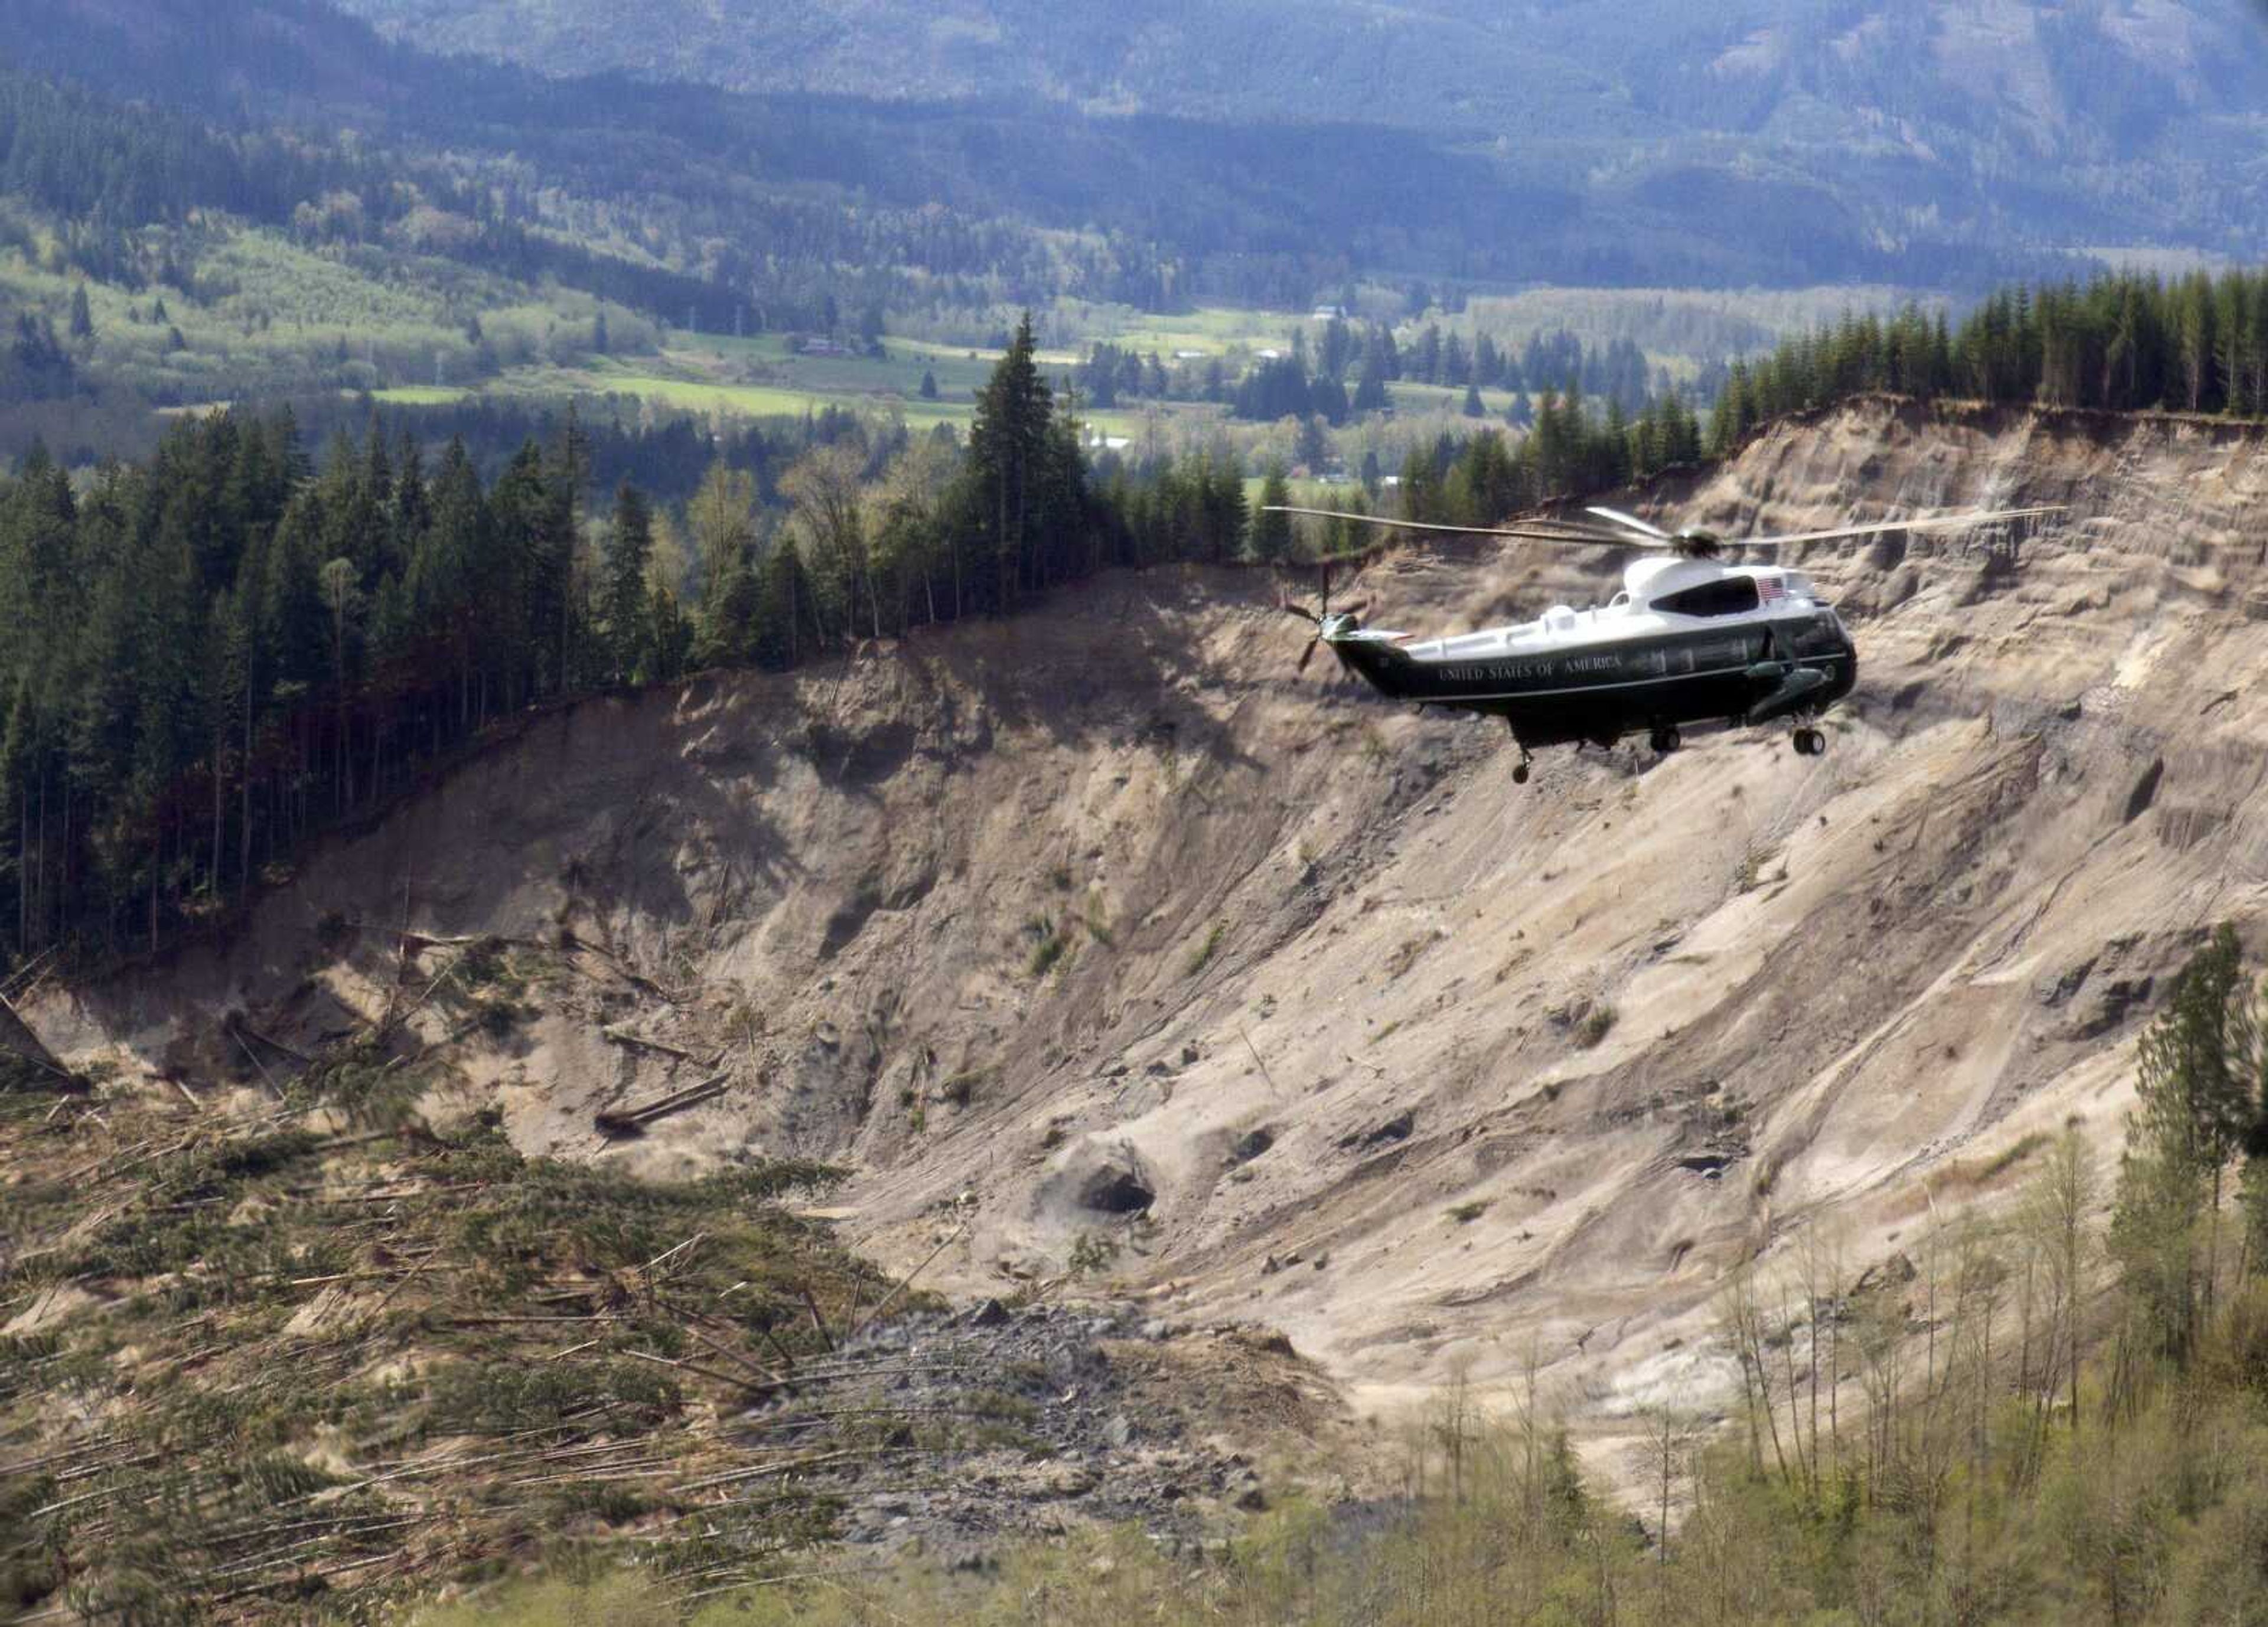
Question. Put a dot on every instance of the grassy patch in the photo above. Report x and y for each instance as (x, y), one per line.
(1595, 1024)
(2009, 1157)
(1407, 954)
(1054, 942)
(1983, 1172)
(1202, 955)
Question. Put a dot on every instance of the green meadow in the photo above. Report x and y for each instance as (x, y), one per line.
(258, 314)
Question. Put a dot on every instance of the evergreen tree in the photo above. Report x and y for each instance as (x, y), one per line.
(630, 543)
(782, 594)
(2197, 1100)
(722, 517)
(1370, 388)
(82, 316)
(1271, 532)
(1488, 362)
(1456, 368)
(1009, 472)
(17, 776)
(1425, 359)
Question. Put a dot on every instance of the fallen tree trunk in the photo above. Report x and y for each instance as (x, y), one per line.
(624, 1036)
(629, 1121)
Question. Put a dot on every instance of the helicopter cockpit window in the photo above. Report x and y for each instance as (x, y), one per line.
(1727, 596)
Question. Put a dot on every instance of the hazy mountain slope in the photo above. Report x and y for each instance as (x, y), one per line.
(1099, 926)
(1774, 142)
(1303, 205)
(1927, 117)
(1440, 62)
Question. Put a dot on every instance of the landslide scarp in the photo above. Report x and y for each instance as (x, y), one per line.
(1100, 931)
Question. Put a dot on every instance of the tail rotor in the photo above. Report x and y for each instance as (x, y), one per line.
(1321, 618)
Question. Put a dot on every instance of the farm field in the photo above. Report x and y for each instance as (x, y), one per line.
(763, 376)
(258, 314)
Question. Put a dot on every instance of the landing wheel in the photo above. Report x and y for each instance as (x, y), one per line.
(1519, 774)
(1810, 742)
(1667, 739)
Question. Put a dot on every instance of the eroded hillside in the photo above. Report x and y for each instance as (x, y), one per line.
(1281, 1005)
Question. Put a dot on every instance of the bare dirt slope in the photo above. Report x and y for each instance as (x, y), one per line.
(1182, 967)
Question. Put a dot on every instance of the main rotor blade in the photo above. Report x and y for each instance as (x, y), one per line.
(1951, 522)
(1356, 609)
(1569, 536)
(1303, 613)
(1644, 529)
(1308, 654)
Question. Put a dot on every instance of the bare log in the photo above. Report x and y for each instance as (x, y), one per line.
(624, 1036)
(629, 1121)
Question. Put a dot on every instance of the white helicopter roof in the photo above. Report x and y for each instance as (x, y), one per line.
(1657, 576)
(1631, 614)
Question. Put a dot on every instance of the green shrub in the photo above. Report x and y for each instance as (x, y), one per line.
(1090, 1252)
(1202, 956)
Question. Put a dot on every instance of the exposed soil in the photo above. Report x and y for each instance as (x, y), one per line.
(1184, 968)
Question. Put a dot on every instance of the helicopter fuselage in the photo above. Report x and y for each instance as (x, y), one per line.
(1690, 644)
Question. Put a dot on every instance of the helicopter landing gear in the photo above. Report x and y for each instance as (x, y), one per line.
(1666, 740)
(1810, 742)
(1520, 769)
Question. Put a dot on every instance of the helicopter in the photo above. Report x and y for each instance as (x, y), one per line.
(1690, 640)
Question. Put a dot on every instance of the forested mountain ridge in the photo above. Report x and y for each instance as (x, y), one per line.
(1773, 143)
(2101, 122)
(1444, 62)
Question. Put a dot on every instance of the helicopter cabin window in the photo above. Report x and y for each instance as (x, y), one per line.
(1727, 596)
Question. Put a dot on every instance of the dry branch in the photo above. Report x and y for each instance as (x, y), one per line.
(624, 1036)
(629, 1121)
(906, 1282)
(236, 1023)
